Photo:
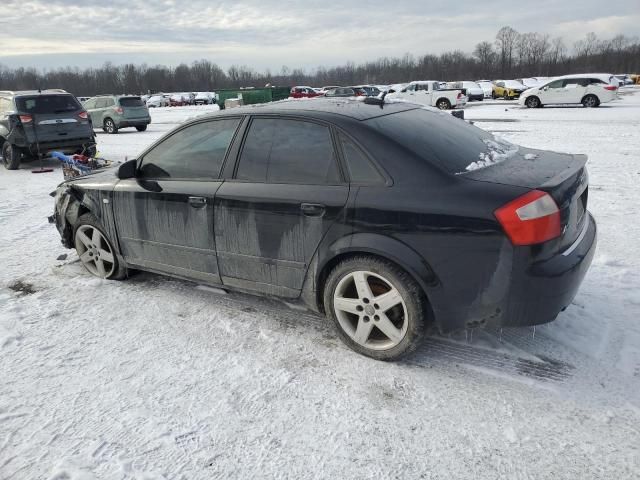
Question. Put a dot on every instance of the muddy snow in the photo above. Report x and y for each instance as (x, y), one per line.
(156, 378)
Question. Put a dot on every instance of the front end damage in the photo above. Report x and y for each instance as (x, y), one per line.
(68, 207)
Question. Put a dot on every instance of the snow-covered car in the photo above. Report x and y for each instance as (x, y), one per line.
(507, 89)
(156, 101)
(487, 87)
(204, 98)
(589, 90)
(529, 82)
(474, 91)
(624, 79)
(431, 93)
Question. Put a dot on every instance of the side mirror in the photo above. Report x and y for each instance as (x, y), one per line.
(127, 170)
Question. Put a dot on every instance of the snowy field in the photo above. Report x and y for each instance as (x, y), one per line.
(155, 378)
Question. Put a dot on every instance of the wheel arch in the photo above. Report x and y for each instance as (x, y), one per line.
(383, 247)
(446, 100)
(591, 95)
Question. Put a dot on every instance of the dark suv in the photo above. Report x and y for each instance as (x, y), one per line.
(33, 123)
(379, 216)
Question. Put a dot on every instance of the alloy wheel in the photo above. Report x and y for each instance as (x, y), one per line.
(94, 251)
(370, 310)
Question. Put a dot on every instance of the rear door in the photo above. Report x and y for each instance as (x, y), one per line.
(575, 89)
(286, 193)
(96, 111)
(165, 215)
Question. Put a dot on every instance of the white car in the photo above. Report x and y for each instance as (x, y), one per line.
(589, 89)
(155, 101)
(204, 98)
(487, 87)
(529, 82)
(429, 92)
(474, 91)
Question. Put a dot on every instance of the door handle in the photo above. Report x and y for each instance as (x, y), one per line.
(312, 209)
(197, 202)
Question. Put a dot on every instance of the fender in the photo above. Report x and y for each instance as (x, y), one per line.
(372, 243)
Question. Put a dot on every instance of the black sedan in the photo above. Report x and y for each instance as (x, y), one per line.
(387, 218)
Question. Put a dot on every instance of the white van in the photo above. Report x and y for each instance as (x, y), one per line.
(589, 89)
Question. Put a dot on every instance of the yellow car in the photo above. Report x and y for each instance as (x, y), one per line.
(507, 89)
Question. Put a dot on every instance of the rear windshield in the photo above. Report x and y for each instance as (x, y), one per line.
(47, 104)
(451, 143)
(131, 102)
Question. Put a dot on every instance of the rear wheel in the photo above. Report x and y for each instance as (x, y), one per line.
(141, 128)
(110, 126)
(11, 156)
(95, 250)
(532, 102)
(443, 104)
(590, 101)
(377, 308)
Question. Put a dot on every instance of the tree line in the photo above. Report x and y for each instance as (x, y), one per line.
(510, 55)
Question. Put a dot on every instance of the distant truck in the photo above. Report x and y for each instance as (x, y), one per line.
(429, 92)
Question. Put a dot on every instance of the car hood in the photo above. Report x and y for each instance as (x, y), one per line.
(100, 179)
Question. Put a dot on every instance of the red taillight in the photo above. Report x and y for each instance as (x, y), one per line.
(83, 115)
(26, 118)
(611, 88)
(460, 95)
(532, 218)
(119, 110)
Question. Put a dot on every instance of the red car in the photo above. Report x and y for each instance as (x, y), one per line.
(303, 92)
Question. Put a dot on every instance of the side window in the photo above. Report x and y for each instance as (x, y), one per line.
(101, 103)
(595, 81)
(288, 151)
(360, 168)
(197, 151)
(89, 104)
(500, 84)
(109, 102)
(556, 84)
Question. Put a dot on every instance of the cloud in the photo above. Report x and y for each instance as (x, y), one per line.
(269, 33)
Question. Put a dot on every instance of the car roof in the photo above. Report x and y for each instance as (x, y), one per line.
(19, 93)
(582, 75)
(319, 107)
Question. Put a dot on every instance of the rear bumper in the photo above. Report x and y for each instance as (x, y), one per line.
(66, 146)
(134, 122)
(546, 288)
(476, 97)
(513, 291)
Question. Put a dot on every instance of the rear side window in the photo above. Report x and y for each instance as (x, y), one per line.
(288, 151)
(440, 138)
(196, 151)
(48, 104)
(360, 168)
(131, 102)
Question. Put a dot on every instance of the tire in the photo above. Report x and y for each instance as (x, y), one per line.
(493, 95)
(110, 126)
(141, 128)
(443, 104)
(590, 101)
(386, 332)
(11, 156)
(532, 102)
(91, 151)
(506, 95)
(96, 251)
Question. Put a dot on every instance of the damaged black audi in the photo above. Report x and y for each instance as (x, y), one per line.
(389, 218)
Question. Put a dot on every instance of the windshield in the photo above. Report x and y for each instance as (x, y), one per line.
(131, 102)
(449, 142)
(48, 104)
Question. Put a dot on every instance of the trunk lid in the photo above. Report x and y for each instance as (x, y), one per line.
(562, 175)
(134, 107)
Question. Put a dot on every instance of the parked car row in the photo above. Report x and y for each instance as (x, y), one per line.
(179, 99)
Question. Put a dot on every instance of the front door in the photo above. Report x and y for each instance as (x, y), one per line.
(165, 215)
(287, 192)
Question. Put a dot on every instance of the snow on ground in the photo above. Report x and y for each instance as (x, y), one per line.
(155, 378)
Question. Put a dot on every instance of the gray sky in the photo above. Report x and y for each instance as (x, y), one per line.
(269, 33)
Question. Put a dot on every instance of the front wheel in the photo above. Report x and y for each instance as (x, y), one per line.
(443, 104)
(141, 128)
(532, 102)
(377, 308)
(11, 156)
(95, 250)
(506, 95)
